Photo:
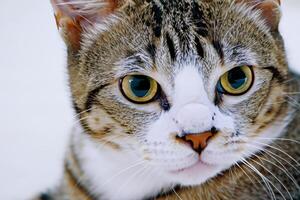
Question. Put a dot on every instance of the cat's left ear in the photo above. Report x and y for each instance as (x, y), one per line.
(270, 10)
(73, 17)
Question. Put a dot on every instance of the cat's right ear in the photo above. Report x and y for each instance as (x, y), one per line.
(270, 11)
(73, 17)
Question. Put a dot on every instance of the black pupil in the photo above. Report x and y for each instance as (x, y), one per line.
(237, 78)
(140, 85)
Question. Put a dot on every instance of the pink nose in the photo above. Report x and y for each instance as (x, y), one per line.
(198, 141)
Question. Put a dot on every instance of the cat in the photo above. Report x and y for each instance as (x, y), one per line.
(181, 99)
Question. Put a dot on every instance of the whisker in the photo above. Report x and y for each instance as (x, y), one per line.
(255, 177)
(139, 163)
(293, 101)
(271, 154)
(289, 80)
(80, 119)
(284, 169)
(272, 174)
(280, 150)
(176, 194)
(83, 112)
(280, 139)
(76, 2)
(138, 172)
(265, 180)
(241, 168)
(291, 93)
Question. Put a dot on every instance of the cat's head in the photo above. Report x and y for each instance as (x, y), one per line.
(191, 87)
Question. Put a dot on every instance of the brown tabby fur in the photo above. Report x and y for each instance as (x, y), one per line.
(90, 65)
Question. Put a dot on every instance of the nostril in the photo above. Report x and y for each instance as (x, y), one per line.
(183, 139)
(199, 141)
(213, 130)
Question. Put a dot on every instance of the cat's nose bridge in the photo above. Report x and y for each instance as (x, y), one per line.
(194, 118)
(189, 87)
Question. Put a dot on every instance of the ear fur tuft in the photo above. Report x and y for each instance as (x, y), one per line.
(75, 16)
(270, 11)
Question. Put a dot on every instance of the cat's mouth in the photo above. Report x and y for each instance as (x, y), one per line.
(195, 174)
(199, 167)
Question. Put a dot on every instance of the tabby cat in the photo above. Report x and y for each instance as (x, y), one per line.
(179, 99)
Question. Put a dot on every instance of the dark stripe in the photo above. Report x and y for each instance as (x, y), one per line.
(151, 49)
(157, 15)
(276, 74)
(86, 128)
(200, 24)
(76, 108)
(45, 196)
(136, 58)
(171, 47)
(177, 11)
(218, 98)
(77, 183)
(116, 119)
(164, 103)
(218, 46)
(92, 95)
(277, 113)
(199, 48)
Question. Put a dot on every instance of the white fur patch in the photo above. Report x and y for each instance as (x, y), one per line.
(116, 174)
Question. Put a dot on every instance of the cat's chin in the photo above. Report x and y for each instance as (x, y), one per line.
(196, 174)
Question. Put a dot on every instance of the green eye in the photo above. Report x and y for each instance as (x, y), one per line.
(139, 88)
(236, 81)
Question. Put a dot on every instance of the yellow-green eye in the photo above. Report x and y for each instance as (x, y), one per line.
(236, 81)
(139, 88)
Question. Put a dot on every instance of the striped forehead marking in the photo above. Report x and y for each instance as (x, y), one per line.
(181, 14)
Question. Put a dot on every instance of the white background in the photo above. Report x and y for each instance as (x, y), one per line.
(35, 110)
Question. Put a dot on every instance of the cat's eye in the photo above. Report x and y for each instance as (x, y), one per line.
(236, 81)
(139, 88)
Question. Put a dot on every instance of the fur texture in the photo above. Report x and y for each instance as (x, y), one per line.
(127, 151)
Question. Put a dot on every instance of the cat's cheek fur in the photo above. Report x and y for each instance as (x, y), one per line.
(98, 120)
(246, 146)
(115, 174)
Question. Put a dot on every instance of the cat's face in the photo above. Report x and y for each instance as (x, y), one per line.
(155, 72)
